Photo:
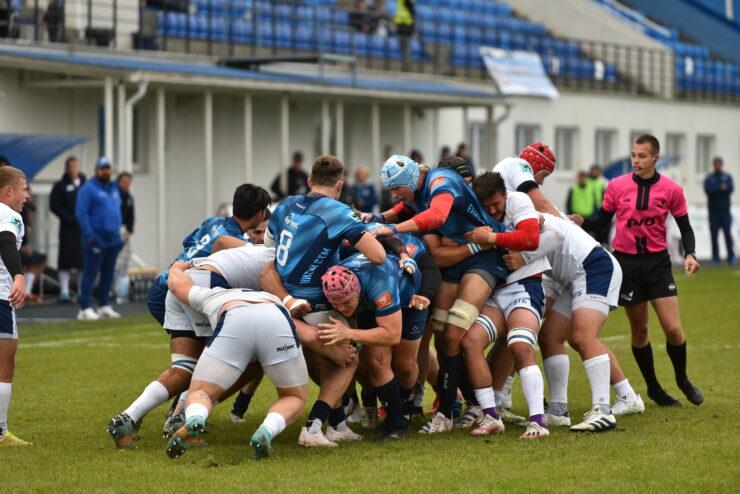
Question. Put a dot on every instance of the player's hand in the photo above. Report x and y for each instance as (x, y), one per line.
(690, 265)
(576, 218)
(383, 232)
(179, 265)
(541, 220)
(297, 307)
(334, 332)
(408, 265)
(513, 260)
(478, 235)
(345, 354)
(372, 217)
(17, 291)
(419, 302)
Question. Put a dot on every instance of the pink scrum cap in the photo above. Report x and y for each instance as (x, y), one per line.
(339, 283)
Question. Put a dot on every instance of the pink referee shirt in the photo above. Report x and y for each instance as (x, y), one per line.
(641, 208)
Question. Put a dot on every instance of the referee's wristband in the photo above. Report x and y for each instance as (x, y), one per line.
(474, 248)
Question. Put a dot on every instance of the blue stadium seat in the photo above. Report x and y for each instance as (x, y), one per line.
(265, 34)
(283, 35)
(342, 41)
(360, 44)
(241, 31)
(341, 18)
(305, 39)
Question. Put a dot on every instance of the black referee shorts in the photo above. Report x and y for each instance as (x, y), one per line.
(645, 277)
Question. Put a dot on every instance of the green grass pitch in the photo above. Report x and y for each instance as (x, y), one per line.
(71, 378)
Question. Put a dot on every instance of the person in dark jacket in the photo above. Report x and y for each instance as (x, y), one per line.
(98, 212)
(297, 179)
(127, 204)
(62, 203)
(719, 186)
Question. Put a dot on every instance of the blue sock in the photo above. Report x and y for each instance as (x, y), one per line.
(241, 404)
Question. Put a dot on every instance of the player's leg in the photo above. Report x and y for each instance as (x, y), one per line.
(107, 267)
(627, 401)
(556, 364)
(406, 369)
(425, 366)
(387, 388)
(727, 232)
(198, 406)
(667, 310)
(714, 225)
(501, 363)
(93, 260)
(8, 347)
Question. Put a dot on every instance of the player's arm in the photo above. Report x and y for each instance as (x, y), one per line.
(431, 277)
(12, 260)
(226, 242)
(271, 282)
(598, 222)
(178, 282)
(525, 237)
(550, 240)
(387, 333)
(371, 248)
(308, 335)
(445, 256)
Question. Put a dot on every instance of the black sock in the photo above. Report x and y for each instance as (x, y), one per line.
(241, 404)
(390, 397)
(336, 416)
(644, 358)
(320, 410)
(677, 353)
(369, 398)
(345, 399)
(407, 402)
(450, 368)
(466, 387)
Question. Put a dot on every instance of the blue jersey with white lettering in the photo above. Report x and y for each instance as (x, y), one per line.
(308, 231)
(466, 212)
(415, 246)
(200, 242)
(386, 288)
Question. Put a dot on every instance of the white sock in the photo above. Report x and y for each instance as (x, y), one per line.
(597, 371)
(508, 384)
(499, 396)
(341, 426)
(64, 282)
(624, 391)
(274, 423)
(5, 389)
(154, 395)
(557, 369)
(30, 278)
(533, 388)
(196, 410)
(181, 401)
(486, 397)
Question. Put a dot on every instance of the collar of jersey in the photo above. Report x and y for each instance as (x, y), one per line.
(646, 181)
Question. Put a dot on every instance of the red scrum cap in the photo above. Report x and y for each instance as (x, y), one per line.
(539, 157)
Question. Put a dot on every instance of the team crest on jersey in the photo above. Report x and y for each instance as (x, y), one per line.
(437, 181)
(525, 167)
(16, 223)
(383, 301)
(290, 221)
(354, 216)
(411, 249)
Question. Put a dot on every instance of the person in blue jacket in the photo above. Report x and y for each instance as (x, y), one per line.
(718, 186)
(98, 212)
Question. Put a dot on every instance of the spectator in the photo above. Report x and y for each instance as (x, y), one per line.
(582, 199)
(598, 184)
(379, 18)
(462, 152)
(54, 19)
(445, 152)
(366, 197)
(416, 156)
(719, 186)
(98, 212)
(405, 27)
(62, 203)
(127, 229)
(359, 17)
(34, 263)
(347, 194)
(297, 179)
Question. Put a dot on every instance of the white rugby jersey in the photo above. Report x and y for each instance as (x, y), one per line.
(239, 266)
(515, 172)
(519, 207)
(10, 221)
(208, 301)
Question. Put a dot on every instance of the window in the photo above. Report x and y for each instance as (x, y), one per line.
(566, 148)
(606, 147)
(705, 149)
(674, 148)
(526, 134)
(634, 135)
(478, 142)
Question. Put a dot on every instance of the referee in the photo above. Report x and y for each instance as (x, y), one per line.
(642, 201)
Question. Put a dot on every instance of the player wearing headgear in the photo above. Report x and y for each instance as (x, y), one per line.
(445, 203)
(391, 309)
(250, 325)
(520, 299)
(307, 232)
(527, 172)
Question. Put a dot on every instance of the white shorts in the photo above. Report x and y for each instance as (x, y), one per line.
(179, 316)
(595, 286)
(8, 325)
(254, 332)
(287, 374)
(526, 293)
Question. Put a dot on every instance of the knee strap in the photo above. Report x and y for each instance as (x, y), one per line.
(184, 362)
(462, 314)
(438, 318)
(522, 335)
(488, 325)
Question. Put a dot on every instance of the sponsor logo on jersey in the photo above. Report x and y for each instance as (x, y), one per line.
(411, 249)
(16, 222)
(383, 301)
(202, 324)
(354, 216)
(437, 181)
(525, 167)
(308, 274)
(641, 222)
(290, 221)
(474, 213)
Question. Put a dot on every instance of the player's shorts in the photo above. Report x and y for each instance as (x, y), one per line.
(180, 320)
(486, 263)
(155, 300)
(414, 321)
(594, 286)
(526, 293)
(8, 326)
(253, 332)
(645, 277)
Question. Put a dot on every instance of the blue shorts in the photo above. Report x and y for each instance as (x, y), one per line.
(8, 326)
(414, 321)
(155, 300)
(486, 263)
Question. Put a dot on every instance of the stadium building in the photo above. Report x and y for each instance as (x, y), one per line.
(194, 97)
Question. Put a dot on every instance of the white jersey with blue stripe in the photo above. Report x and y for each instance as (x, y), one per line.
(240, 266)
(10, 221)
